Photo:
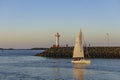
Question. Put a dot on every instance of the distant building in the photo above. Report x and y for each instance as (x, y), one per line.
(57, 35)
(66, 45)
(89, 45)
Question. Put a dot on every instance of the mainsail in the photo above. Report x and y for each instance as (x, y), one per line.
(78, 49)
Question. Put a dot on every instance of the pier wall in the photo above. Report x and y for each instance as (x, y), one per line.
(90, 52)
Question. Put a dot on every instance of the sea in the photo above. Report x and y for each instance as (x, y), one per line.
(23, 65)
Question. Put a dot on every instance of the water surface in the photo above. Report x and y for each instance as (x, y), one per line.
(22, 65)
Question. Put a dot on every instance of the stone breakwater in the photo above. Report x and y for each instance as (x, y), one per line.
(90, 52)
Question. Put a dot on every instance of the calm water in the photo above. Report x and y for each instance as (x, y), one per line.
(22, 65)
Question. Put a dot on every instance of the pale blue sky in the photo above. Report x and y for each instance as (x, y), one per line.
(33, 23)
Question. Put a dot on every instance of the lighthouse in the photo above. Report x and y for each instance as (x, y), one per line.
(57, 35)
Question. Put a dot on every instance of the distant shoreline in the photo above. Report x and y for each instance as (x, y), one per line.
(24, 49)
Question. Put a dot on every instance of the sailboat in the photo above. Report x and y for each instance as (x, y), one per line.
(78, 53)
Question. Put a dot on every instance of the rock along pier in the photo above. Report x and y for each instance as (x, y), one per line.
(90, 52)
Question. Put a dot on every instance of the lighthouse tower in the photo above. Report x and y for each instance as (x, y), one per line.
(57, 35)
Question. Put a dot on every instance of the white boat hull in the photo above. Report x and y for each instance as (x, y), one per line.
(82, 61)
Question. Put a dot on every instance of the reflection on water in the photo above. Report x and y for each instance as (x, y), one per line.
(78, 71)
(57, 69)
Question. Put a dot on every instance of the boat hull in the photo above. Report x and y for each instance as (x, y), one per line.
(82, 61)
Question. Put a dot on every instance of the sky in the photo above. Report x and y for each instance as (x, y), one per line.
(33, 23)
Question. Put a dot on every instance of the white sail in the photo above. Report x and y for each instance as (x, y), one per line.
(78, 48)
